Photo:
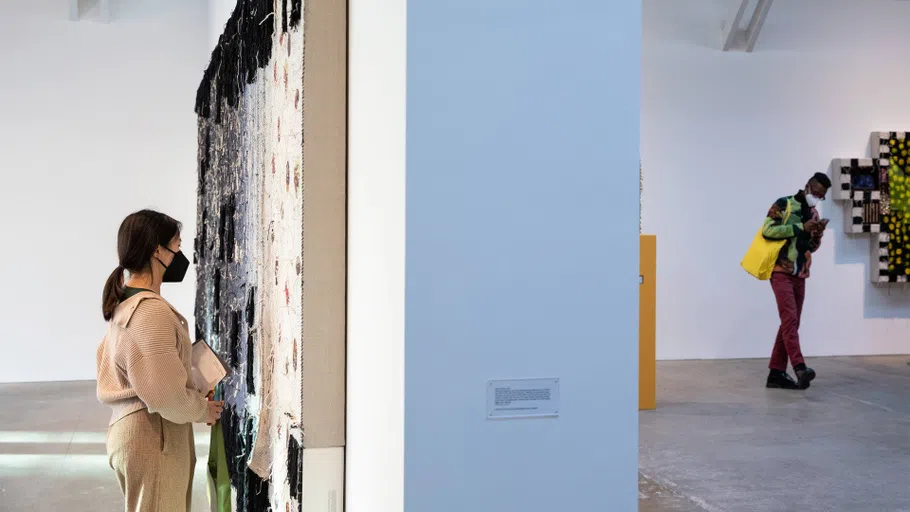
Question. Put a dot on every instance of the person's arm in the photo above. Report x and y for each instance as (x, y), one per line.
(774, 227)
(155, 370)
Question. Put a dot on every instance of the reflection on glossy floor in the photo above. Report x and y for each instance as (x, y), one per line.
(52, 451)
(720, 441)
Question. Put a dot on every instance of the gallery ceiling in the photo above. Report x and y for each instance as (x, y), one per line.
(778, 26)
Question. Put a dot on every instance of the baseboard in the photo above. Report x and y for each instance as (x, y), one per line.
(323, 480)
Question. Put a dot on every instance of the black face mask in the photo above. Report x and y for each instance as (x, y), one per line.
(176, 271)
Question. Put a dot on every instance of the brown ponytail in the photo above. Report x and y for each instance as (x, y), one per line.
(113, 293)
(139, 236)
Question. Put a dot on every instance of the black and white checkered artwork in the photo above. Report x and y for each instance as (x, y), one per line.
(862, 185)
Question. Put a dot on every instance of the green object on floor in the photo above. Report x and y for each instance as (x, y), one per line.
(219, 488)
(219, 480)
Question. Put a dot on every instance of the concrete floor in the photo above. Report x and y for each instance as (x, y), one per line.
(718, 441)
(53, 455)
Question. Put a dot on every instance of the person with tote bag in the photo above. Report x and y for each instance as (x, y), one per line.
(782, 253)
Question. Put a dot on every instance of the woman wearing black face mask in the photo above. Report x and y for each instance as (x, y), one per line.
(144, 369)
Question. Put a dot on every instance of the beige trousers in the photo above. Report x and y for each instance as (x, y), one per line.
(154, 461)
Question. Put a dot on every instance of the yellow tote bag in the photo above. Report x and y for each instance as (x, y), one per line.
(763, 253)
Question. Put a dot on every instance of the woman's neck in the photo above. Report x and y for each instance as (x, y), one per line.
(145, 282)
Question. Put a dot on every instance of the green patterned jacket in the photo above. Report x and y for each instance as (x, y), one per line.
(796, 255)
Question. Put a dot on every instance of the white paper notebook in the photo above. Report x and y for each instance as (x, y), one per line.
(208, 368)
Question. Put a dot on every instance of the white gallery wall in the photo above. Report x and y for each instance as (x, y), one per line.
(375, 402)
(219, 12)
(725, 134)
(96, 121)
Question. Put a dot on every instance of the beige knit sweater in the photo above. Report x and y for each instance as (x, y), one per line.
(144, 362)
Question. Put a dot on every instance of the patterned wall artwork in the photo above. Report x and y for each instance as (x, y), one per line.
(249, 244)
(876, 193)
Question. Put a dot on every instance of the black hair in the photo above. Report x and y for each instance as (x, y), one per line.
(822, 179)
(139, 236)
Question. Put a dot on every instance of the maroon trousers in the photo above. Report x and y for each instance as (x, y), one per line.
(790, 291)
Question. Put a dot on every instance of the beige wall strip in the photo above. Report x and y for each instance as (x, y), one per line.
(324, 222)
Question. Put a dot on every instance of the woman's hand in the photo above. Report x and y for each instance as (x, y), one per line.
(214, 412)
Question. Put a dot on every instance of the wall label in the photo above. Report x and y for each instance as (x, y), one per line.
(522, 398)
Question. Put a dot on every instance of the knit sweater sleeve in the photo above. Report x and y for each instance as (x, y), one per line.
(154, 368)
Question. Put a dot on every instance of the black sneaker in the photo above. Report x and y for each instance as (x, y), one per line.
(804, 378)
(781, 380)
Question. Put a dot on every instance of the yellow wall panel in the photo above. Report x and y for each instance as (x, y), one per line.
(647, 324)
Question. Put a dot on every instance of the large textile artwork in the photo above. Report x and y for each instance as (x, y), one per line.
(876, 193)
(249, 244)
